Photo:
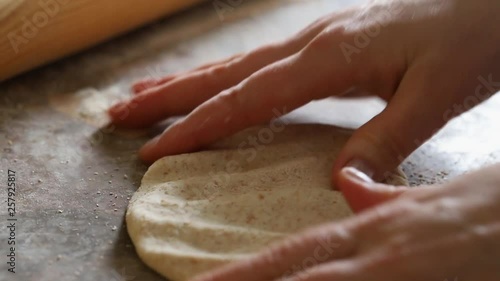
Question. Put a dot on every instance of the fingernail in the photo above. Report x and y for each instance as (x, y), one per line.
(356, 175)
(362, 167)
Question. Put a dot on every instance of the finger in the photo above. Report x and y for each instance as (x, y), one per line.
(316, 246)
(361, 192)
(413, 115)
(374, 267)
(145, 84)
(141, 86)
(283, 86)
(182, 95)
(343, 270)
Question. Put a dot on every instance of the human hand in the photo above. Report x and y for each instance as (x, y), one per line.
(448, 232)
(422, 56)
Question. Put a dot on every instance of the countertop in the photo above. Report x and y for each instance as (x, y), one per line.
(74, 179)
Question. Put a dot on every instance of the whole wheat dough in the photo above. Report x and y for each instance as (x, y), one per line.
(197, 211)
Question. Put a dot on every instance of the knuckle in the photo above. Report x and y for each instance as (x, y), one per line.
(387, 257)
(322, 42)
(235, 103)
(216, 70)
(268, 49)
(377, 220)
(260, 56)
(332, 45)
(398, 246)
(275, 259)
(213, 75)
(232, 97)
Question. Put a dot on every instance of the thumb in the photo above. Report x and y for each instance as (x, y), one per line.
(415, 112)
(361, 192)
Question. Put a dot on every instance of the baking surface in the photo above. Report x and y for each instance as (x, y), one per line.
(74, 179)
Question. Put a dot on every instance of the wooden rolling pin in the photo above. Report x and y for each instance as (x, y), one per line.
(35, 32)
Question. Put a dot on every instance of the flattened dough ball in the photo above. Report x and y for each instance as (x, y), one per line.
(197, 211)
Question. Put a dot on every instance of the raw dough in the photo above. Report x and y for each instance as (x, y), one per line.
(197, 211)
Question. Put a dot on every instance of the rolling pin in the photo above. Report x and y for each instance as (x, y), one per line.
(35, 32)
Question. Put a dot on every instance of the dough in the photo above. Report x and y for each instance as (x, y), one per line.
(197, 211)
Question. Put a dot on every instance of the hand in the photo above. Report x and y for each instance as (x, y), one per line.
(449, 232)
(422, 56)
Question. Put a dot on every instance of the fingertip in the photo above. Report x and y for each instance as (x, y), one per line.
(146, 156)
(356, 175)
(353, 185)
(361, 192)
(355, 167)
(354, 192)
(122, 115)
(138, 112)
(117, 112)
(148, 153)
